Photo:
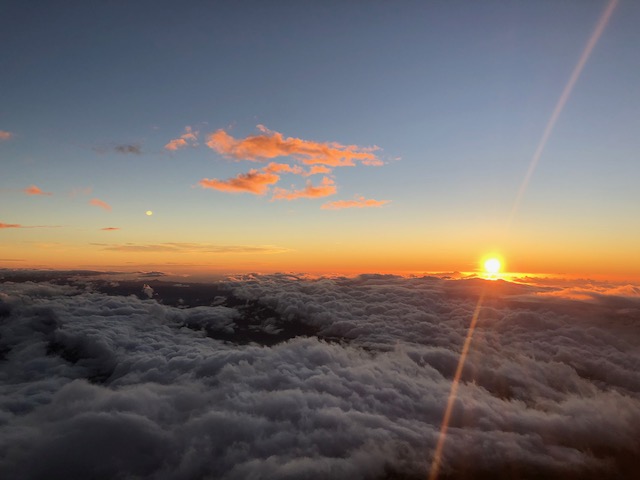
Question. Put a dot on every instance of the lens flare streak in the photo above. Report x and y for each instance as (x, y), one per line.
(437, 455)
(595, 36)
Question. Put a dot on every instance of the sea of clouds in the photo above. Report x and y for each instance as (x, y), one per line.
(284, 377)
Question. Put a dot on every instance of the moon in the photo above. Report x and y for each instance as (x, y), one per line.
(148, 213)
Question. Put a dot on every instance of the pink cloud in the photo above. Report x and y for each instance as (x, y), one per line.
(99, 203)
(326, 188)
(271, 144)
(110, 229)
(360, 202)
(316, 169)
(189, 137)
(255, 182)
(283, 168)
(33, 190)
(4, 135)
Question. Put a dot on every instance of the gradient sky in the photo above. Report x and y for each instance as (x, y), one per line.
(111, 109)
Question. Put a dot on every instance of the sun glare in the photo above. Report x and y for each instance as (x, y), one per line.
(492, 266)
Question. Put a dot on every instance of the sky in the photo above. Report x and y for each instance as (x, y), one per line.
(320, 137)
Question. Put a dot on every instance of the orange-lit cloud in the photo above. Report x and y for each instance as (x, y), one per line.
(10, 225)
(110, 229)
(33, 190)
(283, 168)
(316, 169)
(189, 137)
(17, 225)
(326, 188)
(272, 144)
(182, 247)
(360, 202)
(4, 135)
(252, 182)
(99, 203)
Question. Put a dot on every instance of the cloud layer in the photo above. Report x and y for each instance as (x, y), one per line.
(114, 385)
(270, 144)
(321, 157)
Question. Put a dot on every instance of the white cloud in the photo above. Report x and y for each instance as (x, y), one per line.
(102, 386)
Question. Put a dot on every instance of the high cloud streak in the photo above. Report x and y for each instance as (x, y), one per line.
(4, 135)
(326, 188)
(99, 203)
(360, 202)
(271, 144)
(182, 247)
(278, 377)
(189, 137)
(33, 190)
(17, 225)
(252, 182)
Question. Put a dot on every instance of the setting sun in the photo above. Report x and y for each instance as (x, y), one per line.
(492, 266)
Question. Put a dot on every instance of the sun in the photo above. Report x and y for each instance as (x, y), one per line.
(492, 266)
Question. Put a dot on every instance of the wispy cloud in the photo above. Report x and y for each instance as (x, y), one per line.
(326, 188)
(317, 169)
(110, 229)
(190, 137)
(270, 144)
(33, 190)
(99, 203)
(4, 135)
(126, 149)
(179, 247)
(284, 168)
(17, 225)
(123, 149)
(254, 181)
(359, 202)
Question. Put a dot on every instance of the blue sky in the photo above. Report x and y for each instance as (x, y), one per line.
(455, 94)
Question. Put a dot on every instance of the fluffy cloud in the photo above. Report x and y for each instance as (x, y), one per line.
(284, 168)
(327, 187)
(99, 203)
(33, 190)
(118, 385)
(252, 182)
(317, 169)
(321, 158)
(189, 137)
(360, 202)
(270, 144)
(4, 135)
